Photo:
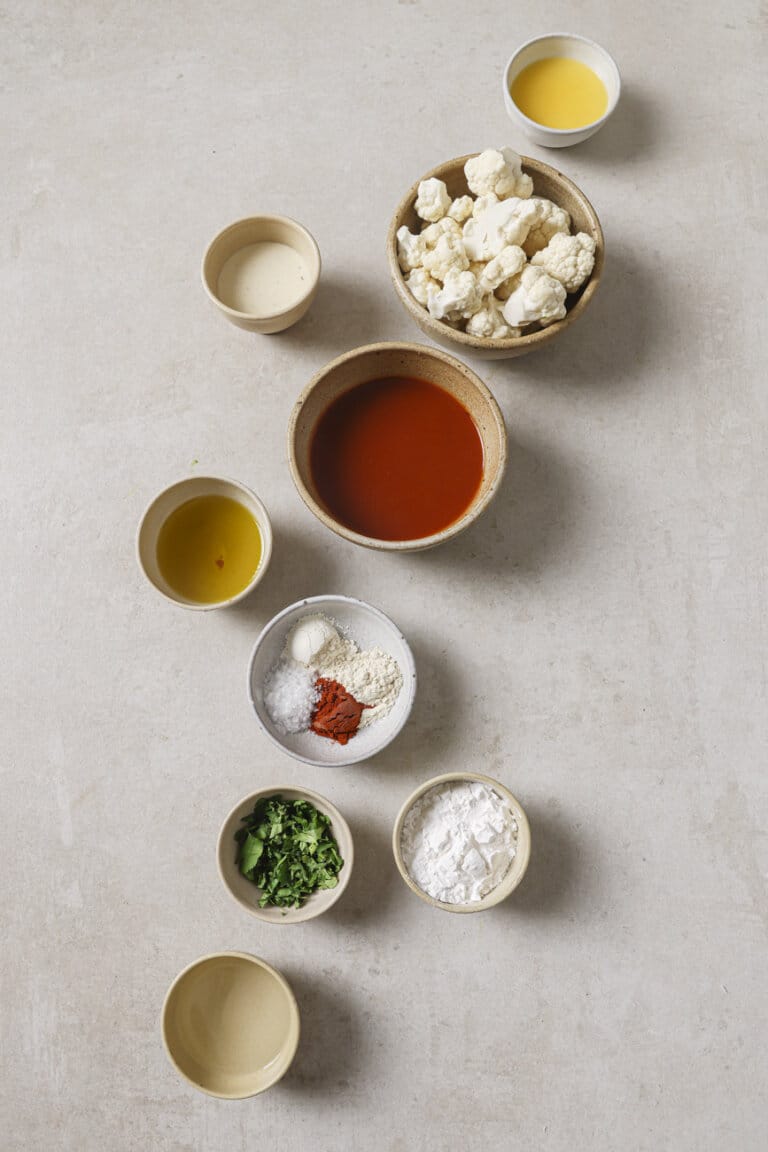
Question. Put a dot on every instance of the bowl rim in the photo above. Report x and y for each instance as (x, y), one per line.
(527, 341)
(562, 133)
(419, 543)
(261, 317)
(497, 894)
(263, 523)
(292, 915)
(409, 679)
(294, 1028)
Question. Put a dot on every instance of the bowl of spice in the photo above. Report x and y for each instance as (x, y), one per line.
(462, 842)
(285, 854)
(331, 680)
(397, 447)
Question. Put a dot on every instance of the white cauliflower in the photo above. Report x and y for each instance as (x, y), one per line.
(499, 172)
(483, 203)
(550, 219)
(489, 322)
(461, 209)
(410, 249)
(508, 263)
(418, 283)
(432, 233)
(538, 296)
(432, 201)
(477, 242)
(503, 222)
(447, 254)
(458, 299)
(570, 259)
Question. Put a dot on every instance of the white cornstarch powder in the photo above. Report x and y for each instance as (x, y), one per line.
(458, 841)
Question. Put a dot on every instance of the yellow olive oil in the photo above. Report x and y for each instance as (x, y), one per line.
(208, 549)
(559, 92)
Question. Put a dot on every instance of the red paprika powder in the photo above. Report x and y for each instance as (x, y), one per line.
(337, 713)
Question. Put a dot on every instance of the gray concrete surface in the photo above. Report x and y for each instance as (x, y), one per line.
(597, 641)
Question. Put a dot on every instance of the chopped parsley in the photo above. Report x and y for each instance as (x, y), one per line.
(287, 849)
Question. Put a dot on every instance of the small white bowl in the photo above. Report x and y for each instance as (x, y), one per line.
(172, 498)
(246, 892)
(369, 628)
(576, 48)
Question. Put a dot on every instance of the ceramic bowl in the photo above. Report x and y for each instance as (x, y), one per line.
(380, 360)
(254, 230)
(575, 48)
(167, 502)
(548, 183)
(247, 894)
(230, 1025)
(519, 863)
(369, 628)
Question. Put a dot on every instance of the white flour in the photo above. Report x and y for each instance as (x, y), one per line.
(458, 841)
(372, 677)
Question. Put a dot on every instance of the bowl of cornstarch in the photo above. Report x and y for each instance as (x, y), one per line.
(331, 680)
(462, 842)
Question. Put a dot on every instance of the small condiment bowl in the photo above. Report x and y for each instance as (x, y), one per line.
(548, 183)
(519, 863)
(172, 498)
(230, 1025)
(374, 361)
(254, 230)
(247, 894)
(369, 628)
(574, 48)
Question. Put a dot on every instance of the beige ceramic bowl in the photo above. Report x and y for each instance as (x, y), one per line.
(519, 863)
(574, 48)
(167, 502)
(548, 183)
(247, 894)
(230, 1025)
(253, 230)
(380, 360)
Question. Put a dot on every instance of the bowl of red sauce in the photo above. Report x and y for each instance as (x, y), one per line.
(397, 447)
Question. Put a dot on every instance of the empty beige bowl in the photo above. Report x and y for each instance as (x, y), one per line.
(282, 292)
(230, 1025)
(564, 44)
(516, 869)
(247, 894)
(548, 183)
(172, 498)
(375, 361)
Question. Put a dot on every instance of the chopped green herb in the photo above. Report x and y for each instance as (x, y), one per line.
(287, 849)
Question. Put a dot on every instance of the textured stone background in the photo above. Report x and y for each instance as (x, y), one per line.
(597, 641)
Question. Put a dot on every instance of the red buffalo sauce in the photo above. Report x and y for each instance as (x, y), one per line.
(396, 459)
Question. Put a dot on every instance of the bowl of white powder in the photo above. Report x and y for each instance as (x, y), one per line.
(462, 842)
(331, 680)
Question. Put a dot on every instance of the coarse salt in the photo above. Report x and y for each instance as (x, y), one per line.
(290, 695)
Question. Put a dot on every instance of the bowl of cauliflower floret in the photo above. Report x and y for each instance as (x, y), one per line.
(495, 253)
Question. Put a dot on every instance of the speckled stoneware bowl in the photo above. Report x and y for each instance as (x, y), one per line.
(230, 1025)
(247, 894)
(369, 628)
(372, 362)
(550, 184)
(519, 863)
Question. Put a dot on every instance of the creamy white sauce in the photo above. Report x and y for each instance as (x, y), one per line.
(263, 278)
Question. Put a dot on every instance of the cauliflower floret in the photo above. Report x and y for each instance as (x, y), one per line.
(477, 267)
(483, 203)
(508, 263)
(502, 223)
(418, 283)
(458, 299)
(433, 200)
(506, 288)
(499, 172)
(410, 249)
(489, 322)
(537, 296)
(550, 220)
(570, 259)
(477, 243)
(432, 233)
(461, 209)
(447, 254)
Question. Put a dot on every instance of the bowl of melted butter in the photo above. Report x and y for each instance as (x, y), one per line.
(205, 542)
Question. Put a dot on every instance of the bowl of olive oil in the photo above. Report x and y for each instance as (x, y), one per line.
(205, 542)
